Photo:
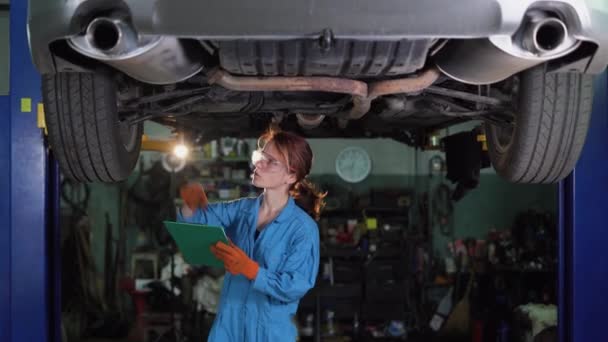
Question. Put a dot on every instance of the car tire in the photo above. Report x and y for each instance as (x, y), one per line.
(551, 121)
(84, 131)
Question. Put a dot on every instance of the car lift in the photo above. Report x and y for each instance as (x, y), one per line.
(29, 232)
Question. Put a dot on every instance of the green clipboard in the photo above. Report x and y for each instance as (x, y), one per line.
(194, 241)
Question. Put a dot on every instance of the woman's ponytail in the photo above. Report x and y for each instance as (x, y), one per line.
(308, 197)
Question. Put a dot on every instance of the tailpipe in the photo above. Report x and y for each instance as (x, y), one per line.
(541, 38)
(150, 59)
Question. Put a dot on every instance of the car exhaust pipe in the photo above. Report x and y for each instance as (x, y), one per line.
(150, 59)
(415, 84)
(362, 93)
(542, 36)
(111, 36)
(287, 83)
(484, 61)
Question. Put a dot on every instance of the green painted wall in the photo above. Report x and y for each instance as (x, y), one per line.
(388, 156)
(105, 198)
(494, 204)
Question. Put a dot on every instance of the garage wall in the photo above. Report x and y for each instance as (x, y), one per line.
(104, 198)
(394, 165)
(493, 205)
(388, 157)
(402, 161)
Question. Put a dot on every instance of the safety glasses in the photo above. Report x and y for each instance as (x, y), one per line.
(260, 158)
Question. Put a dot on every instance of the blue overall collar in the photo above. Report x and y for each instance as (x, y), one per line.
(285, 212)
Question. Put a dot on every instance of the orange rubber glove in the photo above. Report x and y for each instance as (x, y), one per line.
(235, 260)
(194, 196)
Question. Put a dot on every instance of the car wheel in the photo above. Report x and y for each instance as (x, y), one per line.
(89, 142)
(551, 121)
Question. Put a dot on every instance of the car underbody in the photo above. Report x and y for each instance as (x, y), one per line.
(394, 69)
(217, 87)
(214, 111)
(323, 92)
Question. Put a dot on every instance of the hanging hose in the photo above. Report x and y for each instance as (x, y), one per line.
(442, 209)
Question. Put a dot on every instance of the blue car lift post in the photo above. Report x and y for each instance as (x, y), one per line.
(29, 272)
(29, 253)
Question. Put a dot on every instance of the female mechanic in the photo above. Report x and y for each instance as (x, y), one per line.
(273, 257)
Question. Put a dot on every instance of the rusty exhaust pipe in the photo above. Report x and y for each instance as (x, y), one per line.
(361, 105)
(311, 83)
(404, 85)
(363, 94)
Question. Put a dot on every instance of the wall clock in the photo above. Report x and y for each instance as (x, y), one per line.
(353, 164)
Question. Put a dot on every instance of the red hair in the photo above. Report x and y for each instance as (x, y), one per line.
(299, 156)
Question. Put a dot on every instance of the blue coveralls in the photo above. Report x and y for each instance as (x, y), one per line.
(287, 251)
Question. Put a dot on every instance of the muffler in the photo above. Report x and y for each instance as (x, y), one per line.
(150, 59)
(541, 38)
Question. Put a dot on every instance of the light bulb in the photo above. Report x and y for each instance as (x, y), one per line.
(181, 151)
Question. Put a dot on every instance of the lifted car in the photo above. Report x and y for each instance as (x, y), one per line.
(340, 68)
